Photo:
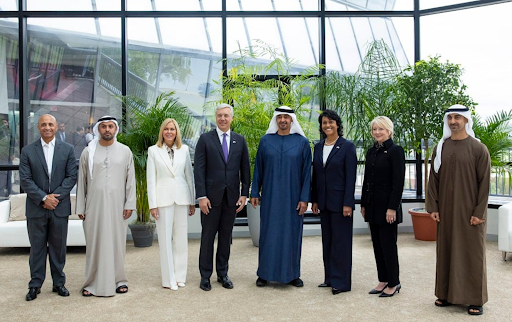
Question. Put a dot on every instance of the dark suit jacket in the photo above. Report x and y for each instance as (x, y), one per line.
(68, 137)
(333, 186)
(383, 184)
(34, 179)
(213, 175)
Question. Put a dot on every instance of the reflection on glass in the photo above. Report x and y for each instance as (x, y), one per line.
(73, 76)
(342, 50)
(108, 5)
(187, 63)
(347, 39)
(274, 5)
(189, 5)
(8, 5)
(193, 33)
(60, 5)
(139, 5)
(142, 30)
(9, 102)
(9, 182)
(279, 33)
(439, 3)
(368, 5)
(76, 25)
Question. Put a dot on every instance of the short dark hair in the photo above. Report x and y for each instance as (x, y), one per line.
(332, 115)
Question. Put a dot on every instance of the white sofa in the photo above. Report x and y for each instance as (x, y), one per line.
(13, 233)
(505, 229)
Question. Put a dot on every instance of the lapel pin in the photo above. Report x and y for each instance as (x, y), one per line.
(337, 147)
(234, 141)
(385, 151)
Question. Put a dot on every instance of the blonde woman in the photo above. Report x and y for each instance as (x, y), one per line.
(381, 202)
(171, 197)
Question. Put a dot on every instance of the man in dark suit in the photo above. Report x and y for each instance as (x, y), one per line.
(48, 172)
(221, 165)
(78, 141)
(61, 133)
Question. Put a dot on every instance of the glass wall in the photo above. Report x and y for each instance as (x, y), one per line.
(9, 104)
(74, 65)
(73, 75)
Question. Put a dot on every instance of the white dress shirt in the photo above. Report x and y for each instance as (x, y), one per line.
(48, 149)
(221, 136)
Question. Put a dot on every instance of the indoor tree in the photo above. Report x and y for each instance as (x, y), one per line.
(143, 122)
(423, 92)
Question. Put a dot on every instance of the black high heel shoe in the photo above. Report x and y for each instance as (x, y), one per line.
(374, 291)
(397, 289)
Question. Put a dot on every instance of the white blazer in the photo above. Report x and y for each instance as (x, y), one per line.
(169, 184)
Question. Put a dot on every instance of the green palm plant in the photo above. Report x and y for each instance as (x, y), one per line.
(141, 131)
(260, 79)
(360, 97)
(495, 133)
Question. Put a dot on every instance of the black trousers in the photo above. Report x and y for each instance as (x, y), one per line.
(386, 253)
(220, 222)
(337, 249)
(47, 235)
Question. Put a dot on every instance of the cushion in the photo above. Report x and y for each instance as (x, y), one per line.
(73, 216)
(17, 207)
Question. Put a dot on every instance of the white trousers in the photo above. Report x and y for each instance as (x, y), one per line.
(173, 243)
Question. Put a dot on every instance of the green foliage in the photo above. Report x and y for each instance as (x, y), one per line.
(141, 132)
(254, 99)
(424, 91)
(494, 132)
(359, 98)
(145, 65)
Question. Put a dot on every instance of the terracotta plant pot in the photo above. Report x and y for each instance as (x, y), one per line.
(424, 227)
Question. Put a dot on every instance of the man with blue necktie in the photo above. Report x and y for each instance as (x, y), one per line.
(221, 167)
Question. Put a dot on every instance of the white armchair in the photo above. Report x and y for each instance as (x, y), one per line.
(505, 229)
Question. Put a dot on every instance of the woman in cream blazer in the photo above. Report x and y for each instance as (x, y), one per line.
(171, 197)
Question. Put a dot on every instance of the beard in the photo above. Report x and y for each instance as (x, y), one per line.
(106, 137)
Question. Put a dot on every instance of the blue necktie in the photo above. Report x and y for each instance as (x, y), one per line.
(225, 147)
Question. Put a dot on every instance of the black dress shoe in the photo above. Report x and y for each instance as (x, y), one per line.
(61, 290)
(225, 281)
(297, 282)
(205, 284)
(32, 293)
(337, 291)
(375, 291)
(397, 289)
(260, 282)
(324, 285)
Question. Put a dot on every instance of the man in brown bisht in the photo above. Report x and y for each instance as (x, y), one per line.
(457, 195)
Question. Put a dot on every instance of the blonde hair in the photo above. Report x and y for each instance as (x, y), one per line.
(177, 140)
(384, 122)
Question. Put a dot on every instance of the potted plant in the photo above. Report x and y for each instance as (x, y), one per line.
(423, 92)
(141, 131)
(425, 228)
(260, 79)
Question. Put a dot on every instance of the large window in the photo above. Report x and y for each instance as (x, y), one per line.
(78, 61)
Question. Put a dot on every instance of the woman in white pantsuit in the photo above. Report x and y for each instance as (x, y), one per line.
(171, 197)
